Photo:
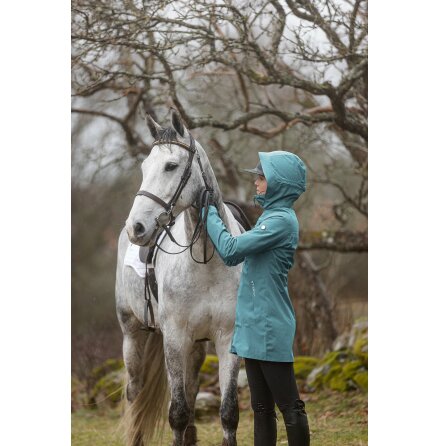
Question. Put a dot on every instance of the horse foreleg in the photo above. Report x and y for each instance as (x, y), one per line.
(194, 362)
(228, 376)
(176, 349)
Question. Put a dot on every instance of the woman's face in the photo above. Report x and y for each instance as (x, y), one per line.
(261, 185)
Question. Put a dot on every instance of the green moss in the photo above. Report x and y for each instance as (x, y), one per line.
(351, 368)
(337, 371)
(361, 379)
(344, 369)
(340, 356)
(108, 389)
(334, 371)
(303, 366)
(338, 383)
(361, 348)
(315, 378)
(106, 367)
(210, 365)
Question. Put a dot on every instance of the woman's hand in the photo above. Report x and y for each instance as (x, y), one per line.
(204, 210)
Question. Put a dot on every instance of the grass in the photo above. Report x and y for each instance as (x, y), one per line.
(334, 418)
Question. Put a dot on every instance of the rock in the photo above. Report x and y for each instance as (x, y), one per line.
(340, 357)
(351, 368)
(340, 384)
(359, 329)
(106, 382)
(360, 325)
(206, 404)
(361, 379)
(361, 345)
(345, 368)
(303, 365)
(109, 389)
(347, 339)
(242, 379)
(341, 342)
(314, 380)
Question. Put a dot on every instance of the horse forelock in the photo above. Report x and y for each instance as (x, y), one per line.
(167, 134)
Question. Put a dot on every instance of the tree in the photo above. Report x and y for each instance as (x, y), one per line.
(273, 66)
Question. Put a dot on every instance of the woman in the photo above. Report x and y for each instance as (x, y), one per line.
(265, 320)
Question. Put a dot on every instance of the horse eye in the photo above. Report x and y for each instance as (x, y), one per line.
(170, 166)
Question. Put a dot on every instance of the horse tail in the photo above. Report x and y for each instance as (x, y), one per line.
(145, 417)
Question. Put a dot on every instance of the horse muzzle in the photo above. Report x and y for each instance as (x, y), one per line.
(138, 234)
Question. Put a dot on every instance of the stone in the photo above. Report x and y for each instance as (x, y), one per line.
(109, 389)
(361, 379)
(359, 329)
(314, 379)
(206, 404)
(344, 368)
(242, 379)
(303, 365)
(341, 342)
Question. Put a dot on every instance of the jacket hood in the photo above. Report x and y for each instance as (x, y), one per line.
(285, 173)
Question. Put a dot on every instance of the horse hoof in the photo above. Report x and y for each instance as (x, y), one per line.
(190, 436)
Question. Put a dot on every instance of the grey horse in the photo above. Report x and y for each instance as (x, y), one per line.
(196, 302)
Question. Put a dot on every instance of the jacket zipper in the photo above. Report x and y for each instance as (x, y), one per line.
(253, 288)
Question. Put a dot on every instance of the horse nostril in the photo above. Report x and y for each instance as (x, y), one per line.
(139, 229)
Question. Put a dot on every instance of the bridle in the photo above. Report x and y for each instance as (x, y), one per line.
(166, 219)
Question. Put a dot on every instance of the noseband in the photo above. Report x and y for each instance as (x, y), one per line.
(167, 218)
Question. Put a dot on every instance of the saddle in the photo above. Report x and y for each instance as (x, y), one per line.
(239, 215)
(146, 255)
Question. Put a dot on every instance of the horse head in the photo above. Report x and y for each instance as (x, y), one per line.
(171, 174)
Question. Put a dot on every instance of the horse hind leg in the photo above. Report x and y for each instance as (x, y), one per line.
(228, 377)
(194, 362)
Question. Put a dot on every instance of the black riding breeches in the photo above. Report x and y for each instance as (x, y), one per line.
(274, 383)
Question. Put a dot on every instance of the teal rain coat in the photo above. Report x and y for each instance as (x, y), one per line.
(265, 321)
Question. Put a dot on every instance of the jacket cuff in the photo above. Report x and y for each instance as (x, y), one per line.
(212, 209)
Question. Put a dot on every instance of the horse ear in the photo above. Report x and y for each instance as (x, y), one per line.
(154, 128)
(177, 123)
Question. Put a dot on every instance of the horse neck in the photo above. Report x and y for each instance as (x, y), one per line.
(192, 214)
